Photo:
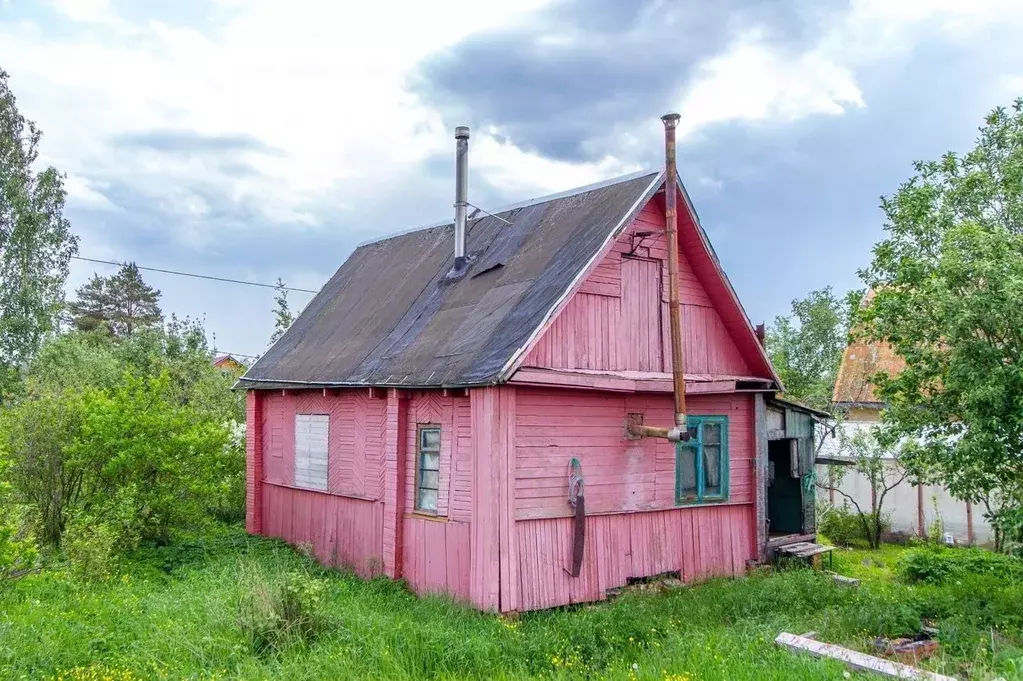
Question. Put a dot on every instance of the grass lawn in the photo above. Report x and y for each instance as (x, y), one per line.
(174, 613)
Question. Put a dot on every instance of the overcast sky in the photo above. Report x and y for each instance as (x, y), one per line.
(258, 139)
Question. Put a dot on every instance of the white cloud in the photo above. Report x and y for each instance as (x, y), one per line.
(87, 11)
(527, 174)
(753, 82)
(323, 82)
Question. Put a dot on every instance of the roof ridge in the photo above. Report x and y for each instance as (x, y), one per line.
(522, 204)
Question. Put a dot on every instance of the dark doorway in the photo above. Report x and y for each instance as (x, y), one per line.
(784, 491)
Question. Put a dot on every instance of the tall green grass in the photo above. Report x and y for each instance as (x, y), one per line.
(185, 612)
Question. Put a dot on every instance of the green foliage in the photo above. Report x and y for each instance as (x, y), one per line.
(36, 242)
(844, 527)
(936, 565)
(949, 283)
(18, 552)
(92, 547)
(883, 471)
(806, 346)
(282, 312)
(174, 612)
(39, 433)
(277, 611)
(140, 436)
(118, 305)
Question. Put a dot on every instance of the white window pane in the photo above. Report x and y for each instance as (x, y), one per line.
(711, 433)
(430, 480)
(687, 471)
(712, 470)
(427, 500)
(429, 462)
(429, 439)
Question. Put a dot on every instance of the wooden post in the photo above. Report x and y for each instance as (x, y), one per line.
(921, 529)
(760, 473)
(971, 538)
(254, 462)
(504, 444)
(488, 442)
(395, 463)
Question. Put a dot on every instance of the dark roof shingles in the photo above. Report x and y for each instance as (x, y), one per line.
(388, 317)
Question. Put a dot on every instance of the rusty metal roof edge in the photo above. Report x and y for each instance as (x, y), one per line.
(510, 366)
(520, 204)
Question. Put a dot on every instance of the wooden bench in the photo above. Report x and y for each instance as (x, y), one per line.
(807, 550)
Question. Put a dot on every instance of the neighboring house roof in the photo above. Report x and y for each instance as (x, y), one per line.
(860, 361)
(227, 360)
(389, 316)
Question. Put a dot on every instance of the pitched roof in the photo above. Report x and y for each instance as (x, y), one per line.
(860, 361)
(389, 316)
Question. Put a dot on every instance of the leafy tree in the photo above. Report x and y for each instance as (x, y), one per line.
(806, 346)
(36, 243)
(282, 312)
(949, 282)
(120, 304)
(882, 471)
(93, 408)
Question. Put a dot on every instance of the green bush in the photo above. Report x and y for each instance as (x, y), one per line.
(18, 552)
(844, 527)
(936, 565)
(91, 549)
(278, 611)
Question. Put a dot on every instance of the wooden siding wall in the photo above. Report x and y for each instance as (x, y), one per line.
(344, 524)
(360, 521)
(356, 432)
(436, 549)
(634, 528)
(608, 323)
(698, 542)
(341, 530)
(553, 426)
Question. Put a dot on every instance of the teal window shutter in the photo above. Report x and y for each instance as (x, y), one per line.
(701, 464)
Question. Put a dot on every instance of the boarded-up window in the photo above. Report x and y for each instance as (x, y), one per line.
(311, 437)
(427, 468)
(701, 471)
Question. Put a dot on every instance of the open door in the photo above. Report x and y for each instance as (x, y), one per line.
(784, 488)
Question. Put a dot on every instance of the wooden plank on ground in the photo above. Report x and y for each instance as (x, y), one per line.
(856, 660)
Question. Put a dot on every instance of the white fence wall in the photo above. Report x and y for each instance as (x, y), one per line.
(902, 502)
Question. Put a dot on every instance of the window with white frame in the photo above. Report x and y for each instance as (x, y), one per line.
(427, 467)
(311, 438)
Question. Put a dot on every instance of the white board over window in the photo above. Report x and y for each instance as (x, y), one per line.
(311, 438)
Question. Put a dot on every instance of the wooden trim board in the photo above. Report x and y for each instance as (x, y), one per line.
(856, 660)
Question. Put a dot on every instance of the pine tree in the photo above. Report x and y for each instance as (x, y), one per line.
(134, 303)
(91, 310)
(121, 304)
(282, 313)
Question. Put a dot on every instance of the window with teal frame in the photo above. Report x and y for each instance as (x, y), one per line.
(701, 463)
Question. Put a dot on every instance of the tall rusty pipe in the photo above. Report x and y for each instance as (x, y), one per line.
(670, 121)
(678, 432)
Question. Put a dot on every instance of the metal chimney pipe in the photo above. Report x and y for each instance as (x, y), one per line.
(670, 121)
(461, 193)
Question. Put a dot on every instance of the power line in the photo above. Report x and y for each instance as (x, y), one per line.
(194, 276)
(235, 354)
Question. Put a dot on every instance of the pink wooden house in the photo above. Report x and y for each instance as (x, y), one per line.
(424, 416)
